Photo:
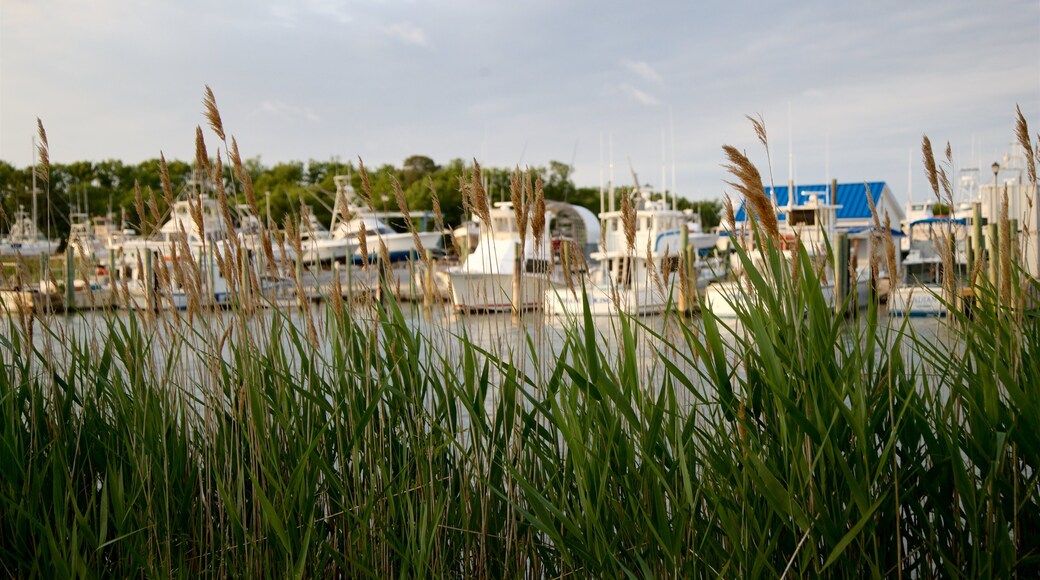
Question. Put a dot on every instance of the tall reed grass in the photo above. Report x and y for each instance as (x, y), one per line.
(349, 440)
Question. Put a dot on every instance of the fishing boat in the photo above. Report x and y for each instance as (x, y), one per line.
(813, 225)
(645, 278)
(250, 232)
(922, 291)
(318, 245)
(400, 246)
(502, 273)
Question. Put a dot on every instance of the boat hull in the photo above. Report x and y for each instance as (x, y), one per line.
(917, 300)
(486, 292)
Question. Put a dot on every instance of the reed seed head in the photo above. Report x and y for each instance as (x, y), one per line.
(43, 150)
(628, 220)
(1022, 133)
(201, 155)
(213, 114)
(929, 166)
(749, 183)
(538, 220)
(479, 195)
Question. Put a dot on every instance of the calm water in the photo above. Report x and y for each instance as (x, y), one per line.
(529, 342)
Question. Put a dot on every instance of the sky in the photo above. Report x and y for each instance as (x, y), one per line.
(847, 90)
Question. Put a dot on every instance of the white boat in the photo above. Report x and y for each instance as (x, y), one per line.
(24, 239)
(180, 244)
(400, 246)
(813, 223)
(318, 246)
(637, 281)
(250, 232)
(484, 281)
(921, 292)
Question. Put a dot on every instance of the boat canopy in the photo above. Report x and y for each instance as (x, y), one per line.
(940, 220)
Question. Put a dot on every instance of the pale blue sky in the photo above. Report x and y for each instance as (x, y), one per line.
(527, 82)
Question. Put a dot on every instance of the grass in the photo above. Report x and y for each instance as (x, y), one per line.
(361, 441)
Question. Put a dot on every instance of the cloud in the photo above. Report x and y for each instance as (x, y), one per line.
(289, 14)
(643, 70)
(407, 33)
(286, 112)
(640, 96)
(335, 9)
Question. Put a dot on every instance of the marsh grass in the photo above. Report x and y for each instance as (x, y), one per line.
(361, 441)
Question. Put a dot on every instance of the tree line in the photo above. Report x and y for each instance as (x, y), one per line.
(109, 188)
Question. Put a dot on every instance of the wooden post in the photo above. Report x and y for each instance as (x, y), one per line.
(149, 279)
(428, 281)
(841, 271)
(518, 265)
(976, 237)
(684, 245)
(70, 275)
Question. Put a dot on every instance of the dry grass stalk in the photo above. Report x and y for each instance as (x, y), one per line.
(517, 195)
(164, 177)
(213, 114)
(153, 207)
(651, 265)
(438, 215)
(628, 220)
(929, 166)
(43, 150)
(538, 220)
(362, 238)
(749, 183)
(142, 217)
(402, 204)
(201, 155)
(244, 178)
(1022, 133)
(731, 216)
(366, 184)
(666, 265)
(894, 275)
(478, 195)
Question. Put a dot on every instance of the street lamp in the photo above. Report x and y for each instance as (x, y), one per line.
(996, 169)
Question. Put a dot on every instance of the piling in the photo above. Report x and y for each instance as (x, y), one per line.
(245, 286)
(517, 287)
(149, 282)
(841, 271)
(976, 235)
(70, 275)
(684, 245)
(428, 281)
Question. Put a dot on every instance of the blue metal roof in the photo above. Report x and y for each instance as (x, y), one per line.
(852, 197)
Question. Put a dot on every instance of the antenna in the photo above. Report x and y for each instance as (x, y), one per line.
(671, 124)
(602, 201)
(664, 169)
(611, 190)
